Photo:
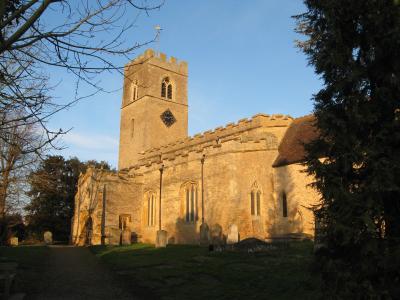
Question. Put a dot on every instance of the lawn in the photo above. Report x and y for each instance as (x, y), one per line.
(192, 272)
(31, 261)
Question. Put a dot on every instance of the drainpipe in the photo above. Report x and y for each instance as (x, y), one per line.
(159, 210)
(202, 188)
(103, 217)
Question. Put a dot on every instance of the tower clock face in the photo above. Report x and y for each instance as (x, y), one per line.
(168, 118)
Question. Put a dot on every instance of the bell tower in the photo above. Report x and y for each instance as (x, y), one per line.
(154, 108)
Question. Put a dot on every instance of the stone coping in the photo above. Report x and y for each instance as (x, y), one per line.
(211, 138)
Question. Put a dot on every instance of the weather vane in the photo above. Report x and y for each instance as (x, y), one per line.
(157, 39)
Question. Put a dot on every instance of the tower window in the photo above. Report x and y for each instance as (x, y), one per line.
(134, 91)
(169, 94)
(163, 89)
(166, 89)
(284, 205)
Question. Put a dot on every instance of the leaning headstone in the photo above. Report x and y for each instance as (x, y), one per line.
(233, 235)
(48, 237)
(216, 234)
(204, 234)
(161, 239)
(13, 241)
(126, 236)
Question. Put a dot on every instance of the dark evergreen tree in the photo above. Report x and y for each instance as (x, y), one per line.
(52, 190)
(354, 46)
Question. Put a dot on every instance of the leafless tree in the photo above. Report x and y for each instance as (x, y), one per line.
(82, 36)
(16, 162)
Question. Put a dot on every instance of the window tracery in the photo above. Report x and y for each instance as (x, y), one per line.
(255, 200)
(166, 89)
(150, 208)
(190, 202)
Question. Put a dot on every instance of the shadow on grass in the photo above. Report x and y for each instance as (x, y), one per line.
(194, 272)
(31, 263)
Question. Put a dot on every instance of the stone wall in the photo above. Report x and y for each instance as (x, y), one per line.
(292, 180)
(238, 159)
(101, 199)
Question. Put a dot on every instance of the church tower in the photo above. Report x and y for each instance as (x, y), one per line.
(154, 108)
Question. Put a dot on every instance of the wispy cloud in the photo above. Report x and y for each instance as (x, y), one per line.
(90, 141)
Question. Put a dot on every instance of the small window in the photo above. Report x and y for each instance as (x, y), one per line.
(255, 202)
(134, 91)
(132, 127)
(284, 205)
(166, 89)
(252, 204)
(151, 209)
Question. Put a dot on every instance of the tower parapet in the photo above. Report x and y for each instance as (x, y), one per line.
(160, 59)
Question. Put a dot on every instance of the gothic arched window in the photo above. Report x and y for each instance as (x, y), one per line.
(255, 200)
(166, 88)
(190, 202)
(150, 208)
(255, 203)
(284, 205)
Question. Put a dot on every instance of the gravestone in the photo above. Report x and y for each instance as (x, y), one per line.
(48, 237)
(216, 234)
(126, 236)
(13, 241)
(233, 235)
(204, 234)
(113, 236)
(161, 239)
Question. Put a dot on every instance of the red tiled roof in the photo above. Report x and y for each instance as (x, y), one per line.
(291, 149)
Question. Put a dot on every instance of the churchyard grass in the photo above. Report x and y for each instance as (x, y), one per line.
(192, 272)
(31, 262)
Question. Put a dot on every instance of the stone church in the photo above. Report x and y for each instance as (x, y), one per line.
(227, 184)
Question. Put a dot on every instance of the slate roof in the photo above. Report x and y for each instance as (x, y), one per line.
(291, 149)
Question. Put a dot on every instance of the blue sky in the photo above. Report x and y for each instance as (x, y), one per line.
(242, 61)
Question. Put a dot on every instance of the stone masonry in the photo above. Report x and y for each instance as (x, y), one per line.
(220, 177)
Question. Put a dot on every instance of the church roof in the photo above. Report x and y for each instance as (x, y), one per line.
(291, 149)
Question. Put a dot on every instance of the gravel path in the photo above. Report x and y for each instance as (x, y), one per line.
(74, 273)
